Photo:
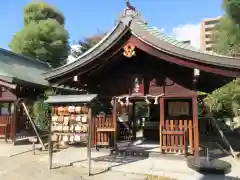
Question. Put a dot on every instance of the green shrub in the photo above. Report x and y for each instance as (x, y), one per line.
(225, 101)
(41, 114)
(41, 111)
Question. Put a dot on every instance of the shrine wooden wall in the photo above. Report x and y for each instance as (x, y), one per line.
(6, 126)
(158, 76)
(6, 95)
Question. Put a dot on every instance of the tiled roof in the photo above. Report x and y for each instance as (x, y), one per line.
(163, 37)
(171, 40)
(17, 69)
(22, 68)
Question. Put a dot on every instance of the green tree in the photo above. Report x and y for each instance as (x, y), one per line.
(43, 35)
(226, 35)
(89, 42)
(35, 12)
(232, 9)
(225, 101)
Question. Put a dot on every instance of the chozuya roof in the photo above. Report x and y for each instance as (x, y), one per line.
(83, 98)
(131, 20)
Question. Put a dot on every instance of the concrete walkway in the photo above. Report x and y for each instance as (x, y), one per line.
(157, 166)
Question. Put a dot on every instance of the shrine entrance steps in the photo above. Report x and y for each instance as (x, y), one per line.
(145, 150)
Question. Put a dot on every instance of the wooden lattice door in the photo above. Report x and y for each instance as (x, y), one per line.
(104, 131)
(177, 136)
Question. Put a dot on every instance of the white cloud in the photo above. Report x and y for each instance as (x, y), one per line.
(188, 32)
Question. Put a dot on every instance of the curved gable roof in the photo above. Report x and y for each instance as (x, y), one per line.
(172, 46)
(102, 46)
(131, 20)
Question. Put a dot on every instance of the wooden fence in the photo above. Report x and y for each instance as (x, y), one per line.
(5, 127)
(176, 136)
(104, 130)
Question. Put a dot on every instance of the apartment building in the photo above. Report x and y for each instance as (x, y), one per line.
(206, 31)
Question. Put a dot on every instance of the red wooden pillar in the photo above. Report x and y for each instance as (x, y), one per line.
(142, 87)
(114, 116)
(93, 130)
(162, 109)
(195, 124)
(13, 122)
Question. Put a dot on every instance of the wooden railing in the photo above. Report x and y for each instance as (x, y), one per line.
(104, 130)
(5, 127)
(176, 136)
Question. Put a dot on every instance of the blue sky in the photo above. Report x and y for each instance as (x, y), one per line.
(86, 17)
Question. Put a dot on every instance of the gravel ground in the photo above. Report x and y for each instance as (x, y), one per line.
(28, 167)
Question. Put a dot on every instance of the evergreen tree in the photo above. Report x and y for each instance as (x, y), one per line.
(226, 36)
(43, 35)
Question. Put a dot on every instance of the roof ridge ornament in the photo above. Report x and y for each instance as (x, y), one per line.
(128, 4)
(131, 12)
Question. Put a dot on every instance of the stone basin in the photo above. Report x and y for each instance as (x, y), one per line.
(207, 165)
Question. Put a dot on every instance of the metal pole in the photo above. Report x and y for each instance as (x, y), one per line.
(207, 155)
(89, 140)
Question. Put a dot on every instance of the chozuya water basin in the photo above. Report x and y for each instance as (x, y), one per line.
(207, 165)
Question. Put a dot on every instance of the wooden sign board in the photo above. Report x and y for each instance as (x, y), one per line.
(178, 108)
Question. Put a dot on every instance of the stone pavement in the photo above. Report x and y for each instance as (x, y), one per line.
(157, 166)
